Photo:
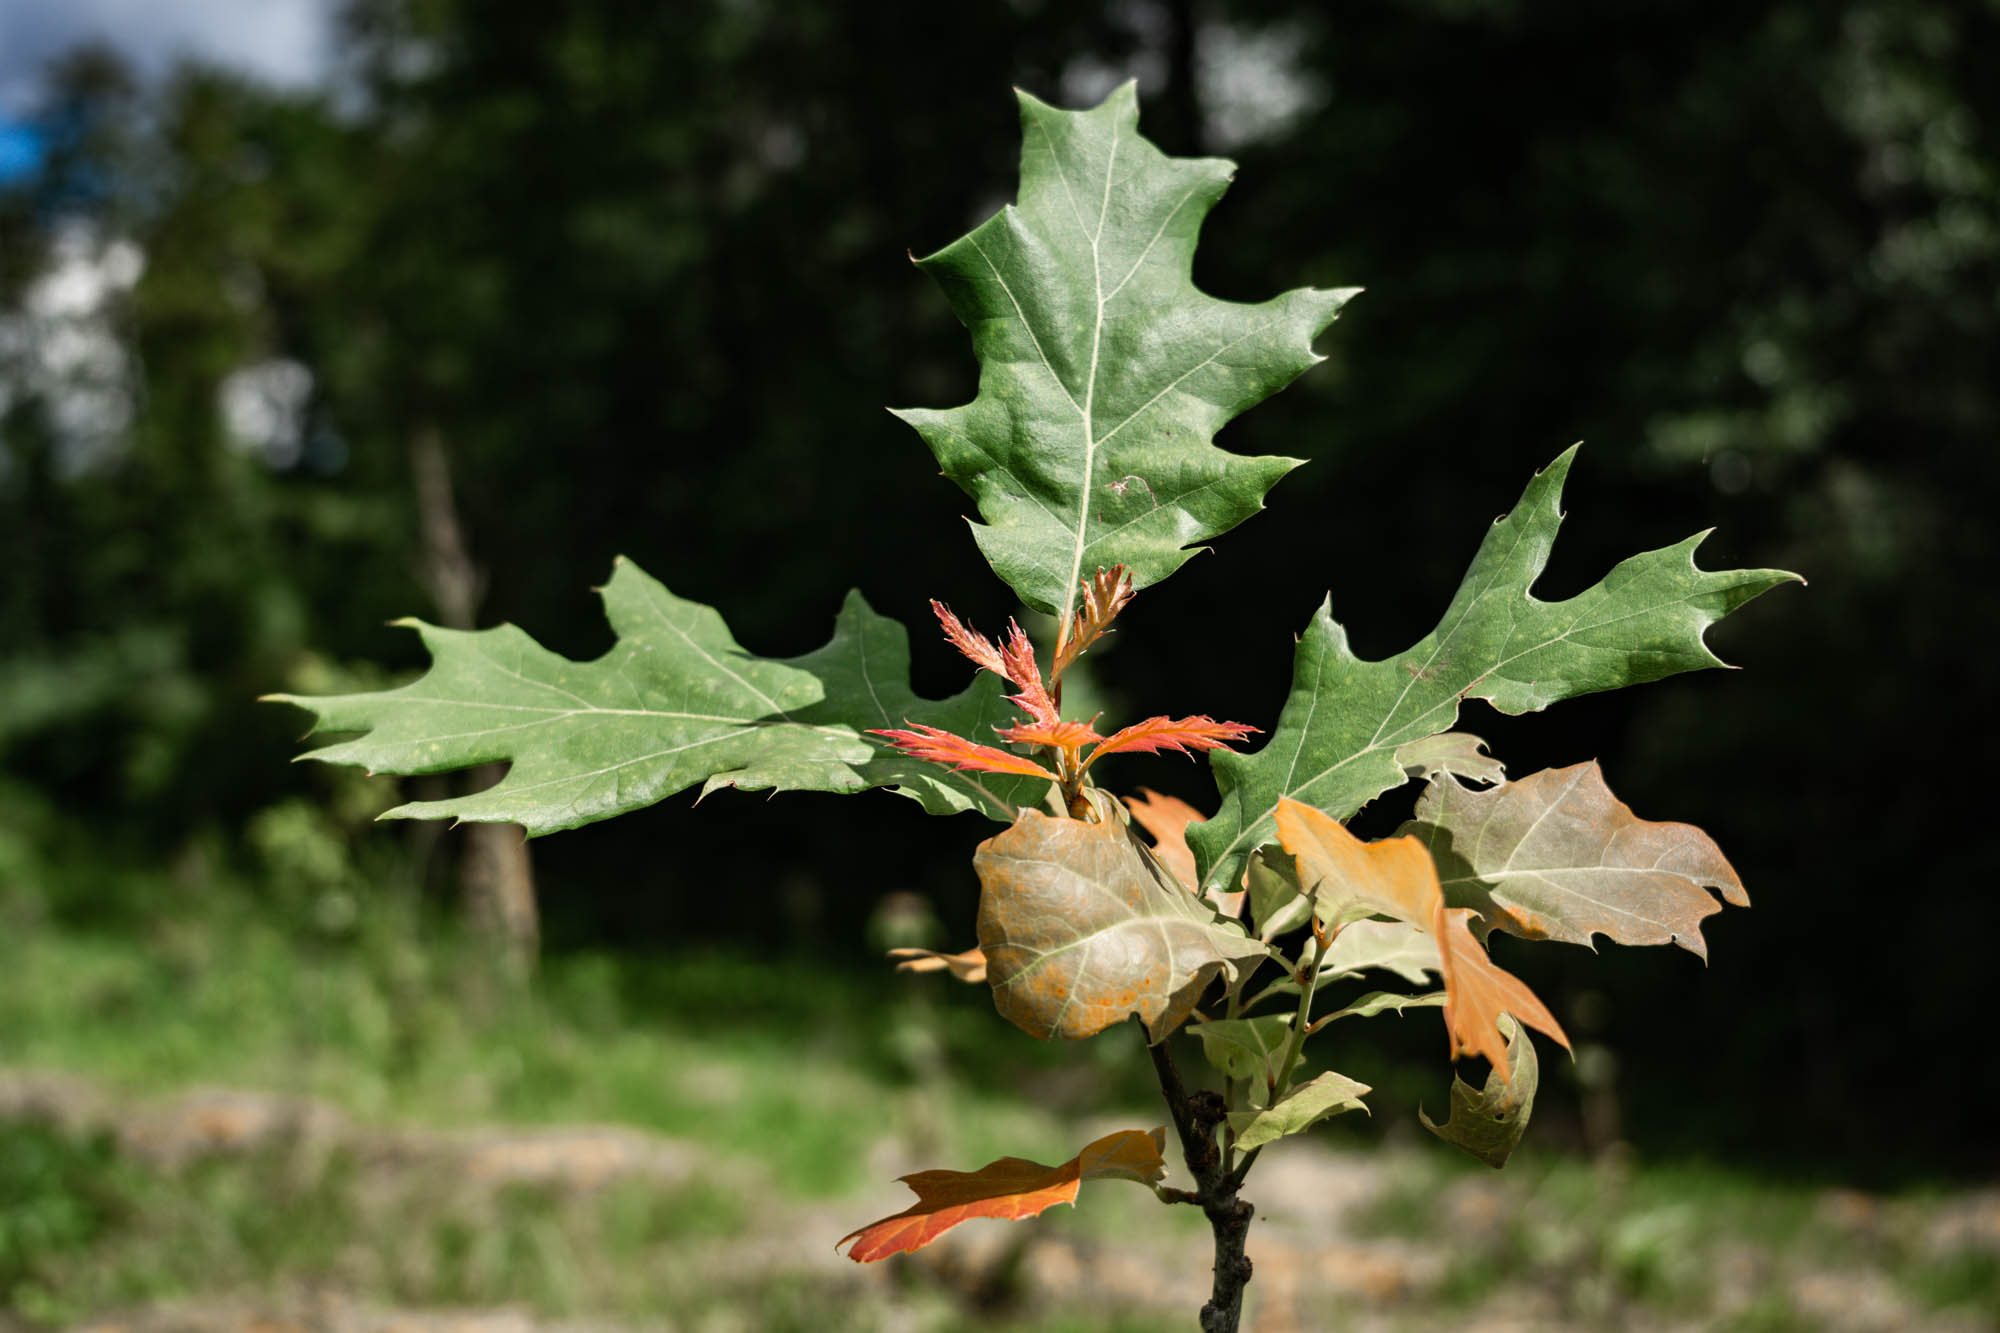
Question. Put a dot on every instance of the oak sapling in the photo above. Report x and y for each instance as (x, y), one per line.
(1088, 450)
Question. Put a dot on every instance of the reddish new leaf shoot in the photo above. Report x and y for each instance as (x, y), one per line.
(968, 641)
(1104, 596)
(1013, 659)
(1018, 655)
(1185, 734)
(942, 747)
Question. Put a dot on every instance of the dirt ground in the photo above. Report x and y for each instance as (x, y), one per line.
(1318, 1264)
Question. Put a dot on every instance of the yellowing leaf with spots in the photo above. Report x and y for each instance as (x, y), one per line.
(1082, 929)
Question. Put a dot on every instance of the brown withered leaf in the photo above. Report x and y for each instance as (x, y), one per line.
(1395, 877)
(967, 966)
(1011, 1188)
(1557, 856)
(1479, 991)
(1350, 879)
(1082, 928)
(1166, 818)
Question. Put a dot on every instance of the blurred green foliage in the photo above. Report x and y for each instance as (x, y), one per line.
(642, 269)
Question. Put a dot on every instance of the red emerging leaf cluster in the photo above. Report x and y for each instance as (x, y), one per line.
(1013, 660)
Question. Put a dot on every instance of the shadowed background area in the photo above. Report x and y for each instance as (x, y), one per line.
(440, 309)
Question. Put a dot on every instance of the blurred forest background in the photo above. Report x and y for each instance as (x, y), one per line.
(520, 287)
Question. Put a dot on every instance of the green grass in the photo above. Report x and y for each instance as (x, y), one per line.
(1684, 1240)
(790, 1079)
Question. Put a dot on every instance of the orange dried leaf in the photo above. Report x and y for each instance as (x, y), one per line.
(1478, 990)
(1396, 877)
(1349, 878)
(942, 747)
(1173, 733)
(1104, 596)
(973, 644)
(967, 966)
(1011, 1188)
(1166, 818)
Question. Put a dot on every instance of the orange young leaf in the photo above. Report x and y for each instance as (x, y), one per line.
(1104, 596)
(1066, 736)
(1011, 1188)
(973, 644)
(942, 747)
(967, 966)
(1173, 733)
(1477, 991)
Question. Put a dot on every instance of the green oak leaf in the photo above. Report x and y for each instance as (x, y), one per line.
(1246, 1048)
(1298, 1110)
(1388, 946)
(1458, 752)
(1388, 1002)
(1104, 372)
(1489, 1122)
(1391, 946)
(1276, 903)
(1556, 856)
(1336, 742)
(675, 702)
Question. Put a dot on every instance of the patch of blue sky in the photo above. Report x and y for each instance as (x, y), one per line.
(21, 151)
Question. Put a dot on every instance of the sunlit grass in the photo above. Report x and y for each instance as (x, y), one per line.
(797, 1091)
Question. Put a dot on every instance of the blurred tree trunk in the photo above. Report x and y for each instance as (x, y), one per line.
(495, 871)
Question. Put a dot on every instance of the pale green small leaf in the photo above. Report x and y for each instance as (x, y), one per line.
(1104, 373)
(1276, 903)
(1387, 1002)
(1246, 1048)
(1488, 1122)
(1458, 752)
(1391, 946)
(675, 702)
(1556, 856)
(1336, 742)
(1298, 1110)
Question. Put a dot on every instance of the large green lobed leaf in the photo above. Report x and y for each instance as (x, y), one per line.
(1335, 745)
(675, 702)
(1104, 373)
